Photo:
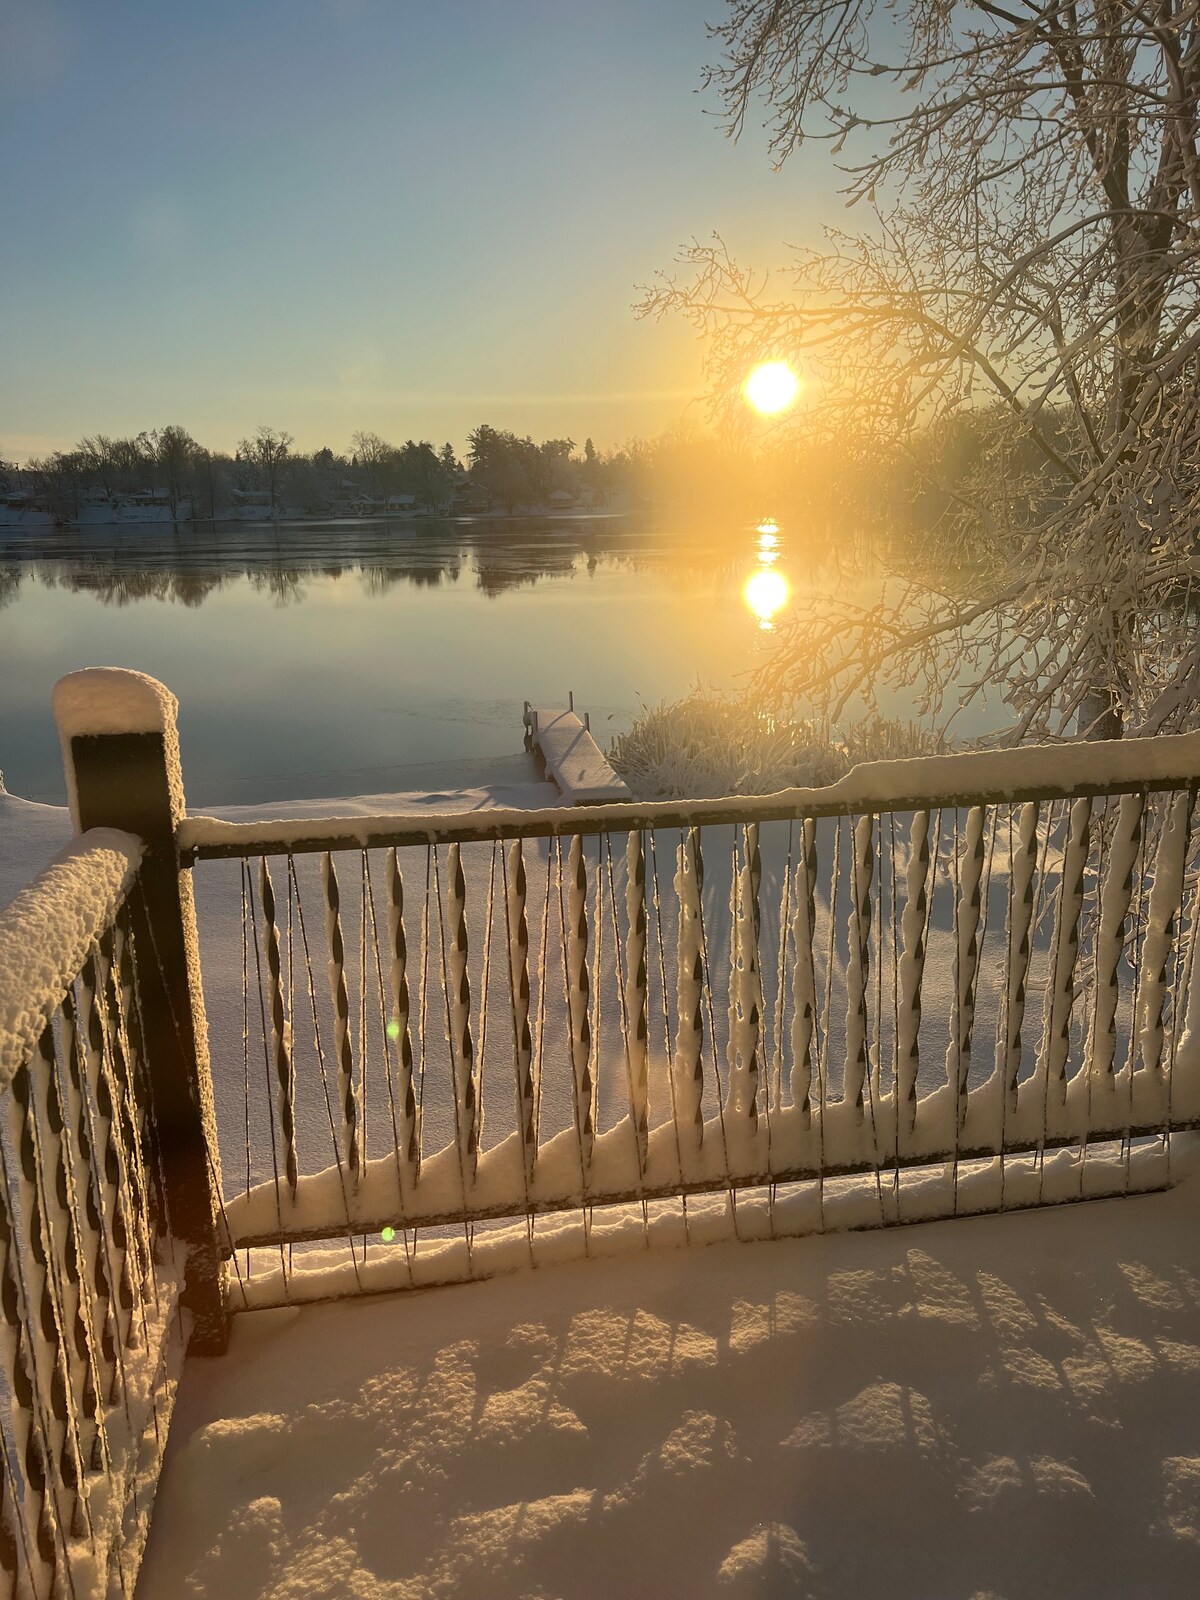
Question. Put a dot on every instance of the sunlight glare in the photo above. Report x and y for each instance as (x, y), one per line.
(766, 593)
(772, 387)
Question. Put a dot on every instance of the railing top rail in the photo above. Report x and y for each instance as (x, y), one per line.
(1043, 772)
(48, 930)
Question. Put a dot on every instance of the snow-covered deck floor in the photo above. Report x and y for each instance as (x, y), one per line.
(1002, 1407)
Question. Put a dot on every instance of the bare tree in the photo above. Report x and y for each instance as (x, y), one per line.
(269, 450)
(175, 452)
(373, 456)
(1031, 171)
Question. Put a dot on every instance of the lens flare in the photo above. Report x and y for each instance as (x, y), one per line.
(772, 387)
(766, 593)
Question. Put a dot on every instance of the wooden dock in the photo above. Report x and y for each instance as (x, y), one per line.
(572, 757)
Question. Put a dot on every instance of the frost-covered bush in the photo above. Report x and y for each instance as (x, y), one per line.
(707, 745)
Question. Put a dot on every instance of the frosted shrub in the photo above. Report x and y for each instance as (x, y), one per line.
(707, 745)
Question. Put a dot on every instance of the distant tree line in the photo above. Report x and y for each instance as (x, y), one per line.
(687, 474)
(167, 466)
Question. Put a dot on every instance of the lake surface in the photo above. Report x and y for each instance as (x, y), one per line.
(353, 658)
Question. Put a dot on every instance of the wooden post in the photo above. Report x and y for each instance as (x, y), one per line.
(121, 757)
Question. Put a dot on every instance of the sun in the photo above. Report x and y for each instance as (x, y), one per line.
(772, 387)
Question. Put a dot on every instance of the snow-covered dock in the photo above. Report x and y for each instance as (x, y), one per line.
(572, 757)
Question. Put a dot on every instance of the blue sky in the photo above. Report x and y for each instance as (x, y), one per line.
(333, 214)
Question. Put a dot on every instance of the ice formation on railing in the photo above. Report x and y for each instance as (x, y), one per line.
(862, 865)
(578, 992)
(912, 970)
(689, 1038)
(285, 1089)
(398, 1028)
(636, 977)
(343, 1049)
(517, 927)
(90, 1338)
(745, 997)
(791, 1001)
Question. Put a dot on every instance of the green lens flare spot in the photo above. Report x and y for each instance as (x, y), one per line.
(388, 1235)
(393, 1029)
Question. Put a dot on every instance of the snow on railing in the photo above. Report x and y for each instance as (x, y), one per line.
(88, 1275)
(945, 985)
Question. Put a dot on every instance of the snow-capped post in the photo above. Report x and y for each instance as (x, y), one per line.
(121, 759)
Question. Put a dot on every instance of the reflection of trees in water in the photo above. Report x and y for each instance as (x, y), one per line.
(379, 577)
(116, 586)
(286, 587)
(279, 562)
(500, 567)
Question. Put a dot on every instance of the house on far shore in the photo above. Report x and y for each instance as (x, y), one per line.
(250, 505)
(471, 498)
(561, 500)
(401, 504)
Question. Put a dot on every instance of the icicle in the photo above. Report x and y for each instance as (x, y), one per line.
(518, 970)
(637, 1039)
(804, 980)
(912, 971)
(89, 1179)
(114, 1203)
(79, 1180)
(688, 1074)
(966, 923)
(38, 1500)
(1115, 897)
(1020, 920)
(141, 1101)
(64, 1223)
(578, 995)
(466, 1082)
(51, 1360)
(118, 1065)
(744, 981)
(1165, 896)
(1057, 1040)
(280, 1029)
(398, 1023)
(857, 971)
(341, 1016)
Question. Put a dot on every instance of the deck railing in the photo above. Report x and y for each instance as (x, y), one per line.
(941, 986)
(442, 1044)
(89, 1272)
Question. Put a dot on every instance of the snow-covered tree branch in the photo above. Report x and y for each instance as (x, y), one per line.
(1031, 261)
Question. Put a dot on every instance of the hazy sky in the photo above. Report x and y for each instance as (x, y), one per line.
(405, 215)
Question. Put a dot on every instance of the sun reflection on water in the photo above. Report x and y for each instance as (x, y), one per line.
(767, 591)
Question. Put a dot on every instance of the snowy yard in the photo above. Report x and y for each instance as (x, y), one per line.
(1001, 1407)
